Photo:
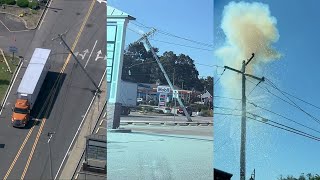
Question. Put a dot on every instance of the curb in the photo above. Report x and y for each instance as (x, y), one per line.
(62, 166)
(10, 85)
(41, 17)
(25, 23)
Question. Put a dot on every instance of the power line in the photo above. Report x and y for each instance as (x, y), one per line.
(217, 66)
(166, 42)
(223, 97)
(273, 86)
(181, 45)
(173, 35)
(227, 114)
(254, 88)
(218, 107)
(266, 89)
(313, 117)
(235, 109)
(219, 77)
(286, 128)
(283, 117)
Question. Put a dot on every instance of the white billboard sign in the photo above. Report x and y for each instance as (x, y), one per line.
(163, 89)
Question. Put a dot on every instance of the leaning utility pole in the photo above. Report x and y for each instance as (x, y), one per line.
(75, 57)
(148, 46)
(244, 116)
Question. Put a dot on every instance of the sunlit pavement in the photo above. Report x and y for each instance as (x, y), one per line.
(159, 153)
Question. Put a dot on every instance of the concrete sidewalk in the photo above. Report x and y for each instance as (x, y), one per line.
(159, 156)
(87, 128)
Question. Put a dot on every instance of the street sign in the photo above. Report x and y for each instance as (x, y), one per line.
(13, 49)
(162, 99)
(163, 89)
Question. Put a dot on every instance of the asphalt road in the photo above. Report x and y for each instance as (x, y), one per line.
(63, 113)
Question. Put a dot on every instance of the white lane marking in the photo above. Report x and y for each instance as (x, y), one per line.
(84, 53)
(91, 53)
(102, 121)
(68, 150)
(11, 87)
(45, 14)
(98, 55)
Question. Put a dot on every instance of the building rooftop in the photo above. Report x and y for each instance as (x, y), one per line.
(116, 13)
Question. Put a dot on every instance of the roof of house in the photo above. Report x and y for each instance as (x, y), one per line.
(116, 13)
(206, 95)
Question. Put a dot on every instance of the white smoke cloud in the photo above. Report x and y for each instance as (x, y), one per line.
(248, 28)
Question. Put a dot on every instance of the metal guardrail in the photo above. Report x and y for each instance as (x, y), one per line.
(166, 123)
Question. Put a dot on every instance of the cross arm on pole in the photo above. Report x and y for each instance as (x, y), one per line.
(252, 55)
(146, 35)
(254, 77)
(230, 68)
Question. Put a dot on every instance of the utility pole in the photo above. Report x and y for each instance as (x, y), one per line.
(175, 99)
(75, 57)
(148, 46)
(243, 116)
(50, 161)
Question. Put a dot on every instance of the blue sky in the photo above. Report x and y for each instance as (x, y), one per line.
(189, 19)
(273, 151)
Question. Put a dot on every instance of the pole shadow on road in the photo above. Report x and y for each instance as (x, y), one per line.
(47, 97)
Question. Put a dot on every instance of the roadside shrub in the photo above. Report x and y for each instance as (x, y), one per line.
(34, 5)
(207, 113)
(23, 3)
(2, 2)
(197, 107)
(10, 2)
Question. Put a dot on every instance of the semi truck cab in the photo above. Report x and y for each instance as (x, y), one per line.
(20, 113)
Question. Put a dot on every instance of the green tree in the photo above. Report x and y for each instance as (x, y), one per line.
(34, 5)
(137, 64)
(10, 2)
(309, 176)
(23, 3)
(207, 84)
(183, 69)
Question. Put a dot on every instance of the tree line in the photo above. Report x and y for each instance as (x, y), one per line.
(140, 66)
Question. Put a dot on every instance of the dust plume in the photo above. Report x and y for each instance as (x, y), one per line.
(248, 28)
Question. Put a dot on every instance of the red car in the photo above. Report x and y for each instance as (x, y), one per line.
(180, 110)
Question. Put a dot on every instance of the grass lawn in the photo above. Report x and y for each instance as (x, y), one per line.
(5, 76)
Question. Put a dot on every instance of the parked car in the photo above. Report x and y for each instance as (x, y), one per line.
(188, 108)
(166, 110)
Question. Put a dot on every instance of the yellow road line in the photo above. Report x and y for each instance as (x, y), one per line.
(33, 148)
(62, 70)
(29, 133)
(80, 32)
(18, 154)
